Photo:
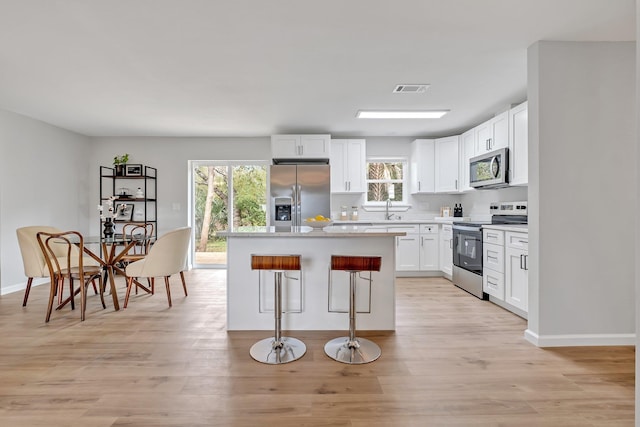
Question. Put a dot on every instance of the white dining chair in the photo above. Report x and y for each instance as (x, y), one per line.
(167, 256)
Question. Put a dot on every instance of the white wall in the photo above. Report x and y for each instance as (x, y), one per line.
(637, 209)
(476, 202)
(582, 193)
(43, 181)
(170, 156)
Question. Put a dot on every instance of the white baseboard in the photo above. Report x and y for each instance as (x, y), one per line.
(22, 286)
(579, 340)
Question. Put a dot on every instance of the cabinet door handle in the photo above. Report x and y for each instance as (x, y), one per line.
(526, 259)
(523, 241)
(450, 244)
(456, 184)
(492, 257)
(419, 185)
(521, 262)
(346, 187)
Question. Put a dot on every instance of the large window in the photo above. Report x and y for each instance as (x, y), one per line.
(215, 208)
(386, 180)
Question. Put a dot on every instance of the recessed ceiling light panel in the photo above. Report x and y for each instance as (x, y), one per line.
(435, 114)
(411, 88)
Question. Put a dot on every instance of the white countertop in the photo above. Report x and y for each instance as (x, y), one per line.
(520, 228)
(304, 231)
(436, 220)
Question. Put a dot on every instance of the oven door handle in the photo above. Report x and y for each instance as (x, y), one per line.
(466, 228)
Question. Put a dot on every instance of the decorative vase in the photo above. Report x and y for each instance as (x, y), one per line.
(119, 170)
(108, 228)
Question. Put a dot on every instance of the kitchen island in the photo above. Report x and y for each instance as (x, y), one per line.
(250, 306)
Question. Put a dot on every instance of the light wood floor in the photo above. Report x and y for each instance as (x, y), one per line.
(453, 361)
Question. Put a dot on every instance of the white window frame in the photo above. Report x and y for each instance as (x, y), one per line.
(405, 180)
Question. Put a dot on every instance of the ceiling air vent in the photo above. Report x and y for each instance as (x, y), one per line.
(410, 89)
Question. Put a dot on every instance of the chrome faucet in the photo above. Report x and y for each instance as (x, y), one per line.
(388, 215)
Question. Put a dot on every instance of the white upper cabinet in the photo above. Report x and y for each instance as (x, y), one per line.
(348, 161)
(467, 151)
(422, 166)
(446, 165)
(300, 146)
(493, 134)
(519, 145)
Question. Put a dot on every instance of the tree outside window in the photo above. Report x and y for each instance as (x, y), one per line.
(386, 180)
(216, 208)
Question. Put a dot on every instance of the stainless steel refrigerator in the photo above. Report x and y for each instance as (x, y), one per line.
(307, 186)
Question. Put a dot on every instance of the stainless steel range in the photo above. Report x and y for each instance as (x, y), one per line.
(467, 245)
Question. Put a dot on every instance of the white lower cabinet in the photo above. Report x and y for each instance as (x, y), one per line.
(429, 247)
(493, 257)
(446, 249)
(493, 263)
(493, 283)
(418, 250)
(407, 247)
(517, 270)
(505, 275)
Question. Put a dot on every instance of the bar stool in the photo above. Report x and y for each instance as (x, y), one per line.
(353, 350)
(277, 349)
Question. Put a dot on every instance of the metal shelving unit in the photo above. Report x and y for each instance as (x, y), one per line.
(147, 181)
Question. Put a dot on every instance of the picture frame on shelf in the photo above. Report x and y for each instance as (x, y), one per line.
(133, 170)
(123, 212)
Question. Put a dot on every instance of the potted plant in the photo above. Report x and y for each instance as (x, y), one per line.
(119, 162)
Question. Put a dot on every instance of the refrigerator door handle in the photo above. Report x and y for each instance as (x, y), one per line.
(294, 207)
(298, 221)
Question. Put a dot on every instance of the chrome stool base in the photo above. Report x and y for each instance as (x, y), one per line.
(265, 351)
(362, 351)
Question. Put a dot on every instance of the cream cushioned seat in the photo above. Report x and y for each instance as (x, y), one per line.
(32, 257)
(167, 256)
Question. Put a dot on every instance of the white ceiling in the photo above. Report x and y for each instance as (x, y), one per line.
(256, 67)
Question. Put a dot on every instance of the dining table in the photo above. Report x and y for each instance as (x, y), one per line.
(112, 251)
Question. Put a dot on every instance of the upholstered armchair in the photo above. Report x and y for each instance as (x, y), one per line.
(167, 256)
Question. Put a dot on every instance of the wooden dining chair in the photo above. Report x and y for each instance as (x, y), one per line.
(69, 244)
(33, 260)
(167, 256)
(142, 236)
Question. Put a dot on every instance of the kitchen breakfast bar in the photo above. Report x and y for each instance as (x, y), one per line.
(309, 302)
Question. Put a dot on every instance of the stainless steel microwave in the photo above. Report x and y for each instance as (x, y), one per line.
(490, 170)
